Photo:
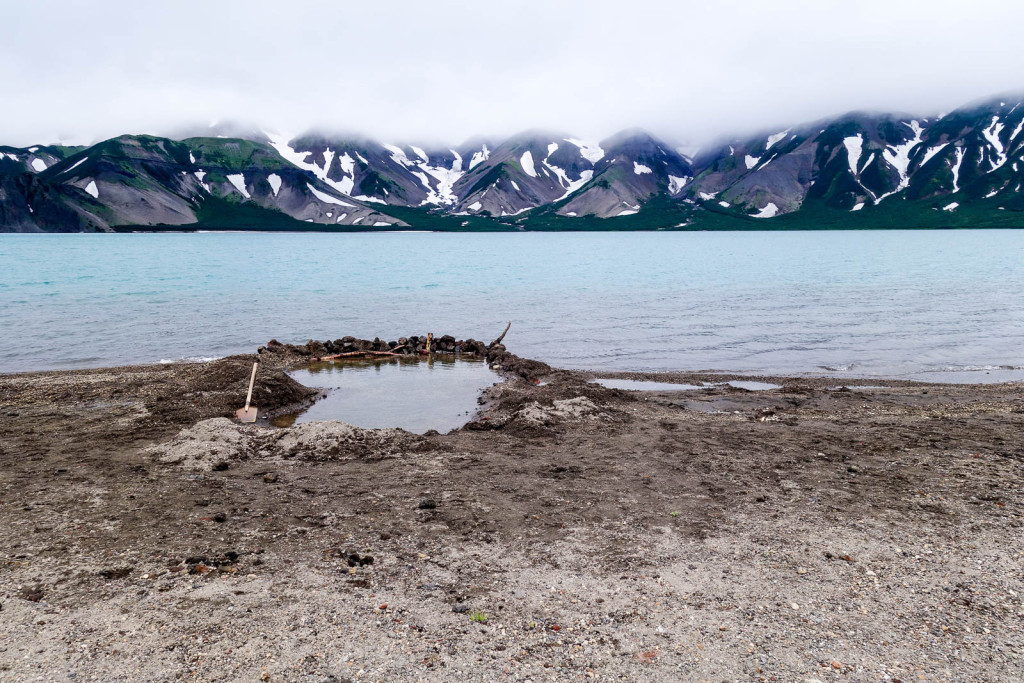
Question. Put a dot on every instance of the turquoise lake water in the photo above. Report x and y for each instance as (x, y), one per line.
(929, 304)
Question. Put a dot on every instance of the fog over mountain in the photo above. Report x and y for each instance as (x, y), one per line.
(688, 72)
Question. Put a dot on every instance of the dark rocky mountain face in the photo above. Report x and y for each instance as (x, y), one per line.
(855, 160)
(528, 171)
(963, 169)
(862, 161)
(634, 168)
(145, 181)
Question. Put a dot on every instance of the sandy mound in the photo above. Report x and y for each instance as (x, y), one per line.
(566, 410)
(215, 444)
(203, 446)
(333, 440)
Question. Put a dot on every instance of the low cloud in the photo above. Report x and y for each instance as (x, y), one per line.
(449, 70)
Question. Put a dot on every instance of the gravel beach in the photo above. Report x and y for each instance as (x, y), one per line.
(813, 532)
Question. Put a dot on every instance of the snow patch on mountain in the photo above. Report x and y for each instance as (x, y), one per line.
(951, 206)
(38, 165)
(1016, 132)
(92, 189)
(275, 183)
(446, 179)
(420, 153)
(898, 156)
(423, 179)
(772, 139)
(479, 157)
(238, 180)
(563, 177)
(858, 206)
(992, 135)
(675, 185)
(441, 192)
(326, 198)
(321, 171)
(751, 162)
(526, 161)
(72, 167)
(854, 145)
(347, 164)
(769, 211)
(373, 200)
(640, 169)
(871, 157)
(960, 153)
(592, 152)
(288, 153)
(930, 152)
(574, 185)
(397, 154)
(199, 176)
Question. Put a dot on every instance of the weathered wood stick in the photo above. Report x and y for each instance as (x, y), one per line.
(498, 340)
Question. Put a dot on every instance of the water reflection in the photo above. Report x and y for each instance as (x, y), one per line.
(417, 395)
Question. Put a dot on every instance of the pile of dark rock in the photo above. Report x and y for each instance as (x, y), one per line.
(497, 356)
(414, 345)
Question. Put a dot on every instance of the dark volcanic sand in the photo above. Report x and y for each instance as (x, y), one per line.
(572, 532)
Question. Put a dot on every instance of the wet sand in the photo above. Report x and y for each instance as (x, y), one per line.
(570, 532)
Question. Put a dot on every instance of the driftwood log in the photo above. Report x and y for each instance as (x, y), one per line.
(498, 340)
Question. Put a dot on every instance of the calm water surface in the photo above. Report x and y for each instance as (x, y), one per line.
(416, 395)
(931, 304)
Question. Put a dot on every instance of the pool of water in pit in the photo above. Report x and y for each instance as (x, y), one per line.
(416, 395)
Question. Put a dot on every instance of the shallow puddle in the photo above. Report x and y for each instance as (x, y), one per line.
(753, 386)
(641, 385)
(416, 395)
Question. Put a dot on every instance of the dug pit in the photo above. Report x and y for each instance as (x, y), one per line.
(416, 395)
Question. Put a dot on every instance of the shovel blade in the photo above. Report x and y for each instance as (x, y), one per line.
(246, 415)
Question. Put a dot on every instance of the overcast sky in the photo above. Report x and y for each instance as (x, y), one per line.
(444, 70)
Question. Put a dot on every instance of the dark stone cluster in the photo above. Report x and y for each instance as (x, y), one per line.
(412, 345)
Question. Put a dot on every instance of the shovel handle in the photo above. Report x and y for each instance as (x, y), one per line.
(252, 381)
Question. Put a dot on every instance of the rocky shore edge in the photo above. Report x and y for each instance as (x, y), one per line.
(288, 356)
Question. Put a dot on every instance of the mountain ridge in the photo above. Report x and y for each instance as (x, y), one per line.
(857, 170)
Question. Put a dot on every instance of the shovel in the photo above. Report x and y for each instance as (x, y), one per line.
(248, 413)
